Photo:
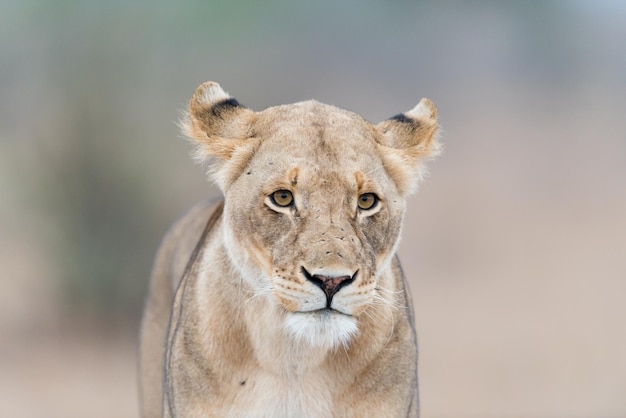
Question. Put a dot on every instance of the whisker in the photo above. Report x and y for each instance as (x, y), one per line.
(385, 305)
(264, 291)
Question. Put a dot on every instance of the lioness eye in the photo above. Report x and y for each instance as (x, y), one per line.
(282, 198)
(367, 201)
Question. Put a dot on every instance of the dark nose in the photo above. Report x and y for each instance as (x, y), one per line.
(329, 284)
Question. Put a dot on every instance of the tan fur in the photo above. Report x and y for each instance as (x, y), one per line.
(251, 333)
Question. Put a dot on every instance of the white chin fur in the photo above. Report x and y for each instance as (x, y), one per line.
(323, 329)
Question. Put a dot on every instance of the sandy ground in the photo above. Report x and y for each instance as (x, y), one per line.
(528, 321)
(69, 375)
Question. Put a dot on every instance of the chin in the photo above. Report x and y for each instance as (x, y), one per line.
(325, 328)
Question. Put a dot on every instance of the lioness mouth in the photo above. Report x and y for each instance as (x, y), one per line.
(328, 311)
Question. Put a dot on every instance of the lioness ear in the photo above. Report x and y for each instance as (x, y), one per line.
(408, 140)
(219, 127)
(216, 121)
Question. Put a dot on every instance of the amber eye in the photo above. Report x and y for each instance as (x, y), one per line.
(282, 198)
(367, 201)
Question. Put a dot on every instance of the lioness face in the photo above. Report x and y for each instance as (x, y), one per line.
(314, 202)
(317, 215)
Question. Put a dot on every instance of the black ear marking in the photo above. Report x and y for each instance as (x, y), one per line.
(406, 123)
(223, 107)
(401, 117)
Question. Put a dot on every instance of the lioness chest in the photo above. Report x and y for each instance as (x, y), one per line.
(265, 395)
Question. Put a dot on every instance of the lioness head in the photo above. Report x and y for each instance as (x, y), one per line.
(314, 201)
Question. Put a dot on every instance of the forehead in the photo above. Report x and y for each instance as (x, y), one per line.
(316, 133)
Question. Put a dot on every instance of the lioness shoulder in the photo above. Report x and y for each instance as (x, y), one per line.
(287, 299)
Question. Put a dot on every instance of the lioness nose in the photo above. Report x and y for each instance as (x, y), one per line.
(329, 284)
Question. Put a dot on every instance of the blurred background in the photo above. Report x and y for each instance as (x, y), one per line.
(515, 245)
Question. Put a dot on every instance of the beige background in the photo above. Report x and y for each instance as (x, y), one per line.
(515, 246)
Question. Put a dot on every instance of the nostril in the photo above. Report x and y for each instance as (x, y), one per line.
(329, 284)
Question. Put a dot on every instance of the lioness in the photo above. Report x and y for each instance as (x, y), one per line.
(287, 299)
